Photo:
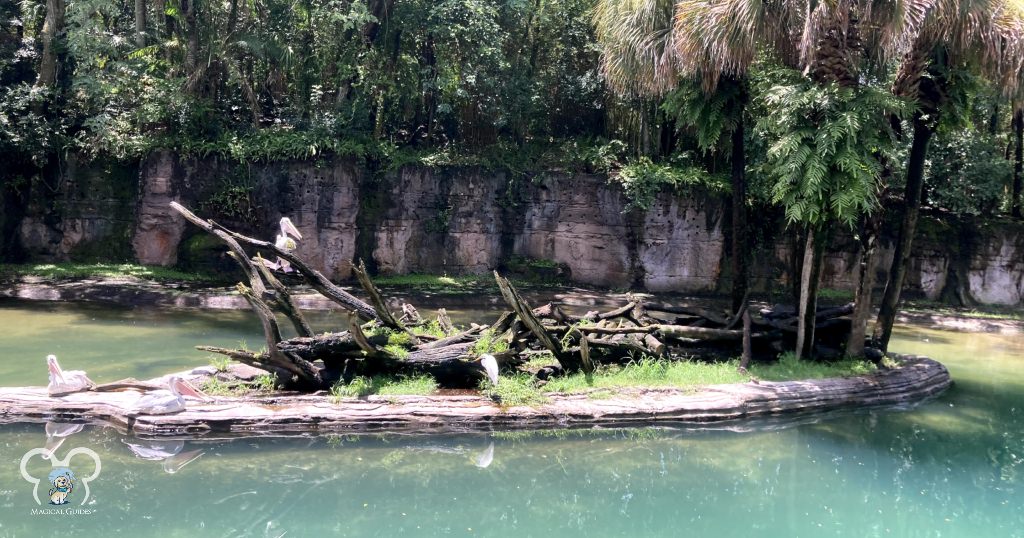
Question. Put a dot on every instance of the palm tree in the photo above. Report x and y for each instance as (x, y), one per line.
(952, 34)
(648, 47)
(832, 42)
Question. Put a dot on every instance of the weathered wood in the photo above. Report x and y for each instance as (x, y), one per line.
(445, 322)
(379, 306)
(588, 365)
(327, 345)
(698, 312)
(274, 357)
(283, 299)
(247, 357)
(700, 333)
(454, 339)
(552, 312)
(313, 277)
(601, 329)
(410, 314)
(917, 380)
(525, 314)
(503, 324)
(657, 347)
(360, 338)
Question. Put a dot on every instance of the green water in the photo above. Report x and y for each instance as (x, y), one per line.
(952, 467)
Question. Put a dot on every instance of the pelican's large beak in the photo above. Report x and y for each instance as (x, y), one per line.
(287, 228)
(51, 363)
(186, 389)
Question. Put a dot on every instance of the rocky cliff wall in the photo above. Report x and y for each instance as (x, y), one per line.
(467, 220)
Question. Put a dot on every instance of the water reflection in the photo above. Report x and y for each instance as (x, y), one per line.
(171, 453)
(58, 432)
(952, 467)
(874, 474)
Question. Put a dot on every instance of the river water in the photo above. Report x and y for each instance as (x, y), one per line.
(951, 467)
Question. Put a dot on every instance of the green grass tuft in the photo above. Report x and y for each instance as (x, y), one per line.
(435, 282)
(649, 372)
(220, 363)
(432, 328)
(264, 383)
(788, 368)
(216, 387)
(58, 271)
(384, 386)
(514, 390)
(489, 343)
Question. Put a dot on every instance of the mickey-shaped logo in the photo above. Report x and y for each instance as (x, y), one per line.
(62, 479)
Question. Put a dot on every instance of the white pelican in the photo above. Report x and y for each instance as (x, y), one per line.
(171, 400)
(490, 365)
(65, 381)
(285, 242)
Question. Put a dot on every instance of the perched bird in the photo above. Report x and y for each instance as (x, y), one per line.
(490, 365)
(65, 381)
(171, 400)
(285, 242)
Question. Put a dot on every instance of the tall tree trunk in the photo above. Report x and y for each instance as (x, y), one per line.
(865, 283)
(140, 23)
(53, 44)
(188, 8)
(923, 132)
(1018, 163)
(739, 214)
(796, 264)
(811, 274)
(170, 28)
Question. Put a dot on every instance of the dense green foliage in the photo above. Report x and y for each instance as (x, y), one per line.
(511, 84)
(313, 74)
(824, 158)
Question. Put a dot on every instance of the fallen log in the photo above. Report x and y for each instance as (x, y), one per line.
(525, 314)
(697, 333)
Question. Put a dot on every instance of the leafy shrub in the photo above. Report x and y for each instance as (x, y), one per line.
(643, 179)
(967, 173)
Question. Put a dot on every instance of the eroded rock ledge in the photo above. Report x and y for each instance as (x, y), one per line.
(916, 380)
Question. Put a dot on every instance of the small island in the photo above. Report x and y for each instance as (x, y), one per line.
(642, 363)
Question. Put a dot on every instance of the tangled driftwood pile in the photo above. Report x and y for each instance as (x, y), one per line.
(378, 341)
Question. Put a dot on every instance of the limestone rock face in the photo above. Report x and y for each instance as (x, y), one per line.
(83, 211)
(461, 220)
(158, 230)
(580, 221)
(996, 270)
(323, 203)
(683, 244)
